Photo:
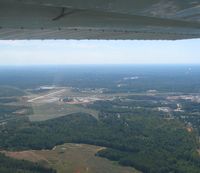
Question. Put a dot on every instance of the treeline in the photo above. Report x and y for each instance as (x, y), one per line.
(7, 100)
(8, 111)
(9, 165)
(10, 91)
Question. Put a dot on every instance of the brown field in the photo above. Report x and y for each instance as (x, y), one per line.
(73, 158)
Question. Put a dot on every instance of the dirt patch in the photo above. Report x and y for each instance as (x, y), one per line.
(74, 158)
(25, 155)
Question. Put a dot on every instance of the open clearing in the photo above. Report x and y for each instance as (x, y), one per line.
(47, 95)
(49, 105)
(54, 110)
(73, 158)
(61, 101)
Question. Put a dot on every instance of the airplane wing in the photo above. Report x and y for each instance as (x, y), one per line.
(99, 19)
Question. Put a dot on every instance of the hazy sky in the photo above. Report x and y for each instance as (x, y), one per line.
(99, 52)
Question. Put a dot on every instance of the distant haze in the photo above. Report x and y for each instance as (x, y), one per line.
(99, 52)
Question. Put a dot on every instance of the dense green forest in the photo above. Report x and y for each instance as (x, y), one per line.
(9, 165)
(146, 143)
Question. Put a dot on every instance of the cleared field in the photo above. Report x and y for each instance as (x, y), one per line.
(73, 158)
(50, 104)
(54, 110)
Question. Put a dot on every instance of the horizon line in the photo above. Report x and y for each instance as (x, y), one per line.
(139, 64)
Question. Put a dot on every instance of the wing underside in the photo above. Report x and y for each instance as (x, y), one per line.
(99, 19)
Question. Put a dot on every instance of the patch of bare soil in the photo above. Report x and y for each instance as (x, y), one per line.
(25, 155)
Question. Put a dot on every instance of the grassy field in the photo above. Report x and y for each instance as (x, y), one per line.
(73, 158)
(54, 110)
(47, 105)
